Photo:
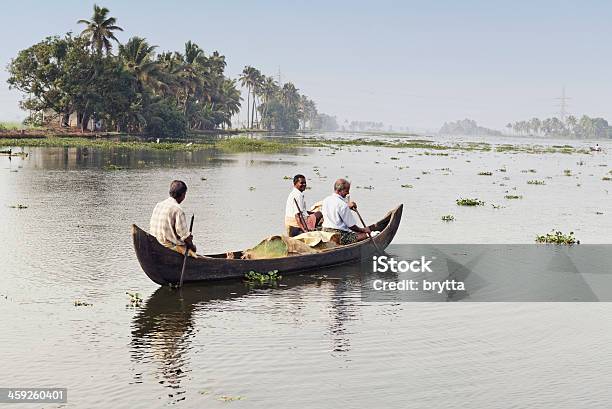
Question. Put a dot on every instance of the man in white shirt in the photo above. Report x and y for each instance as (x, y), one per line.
(298, 221)
(337, 215)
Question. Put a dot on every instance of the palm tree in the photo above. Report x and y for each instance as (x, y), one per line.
(137, 57)
(248, 79)
(100, 29)
(571, 123)
(192, 52)
(290, 95)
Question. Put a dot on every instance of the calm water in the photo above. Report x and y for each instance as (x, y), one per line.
(309, 343)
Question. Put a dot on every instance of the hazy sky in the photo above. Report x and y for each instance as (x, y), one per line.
(405, 63)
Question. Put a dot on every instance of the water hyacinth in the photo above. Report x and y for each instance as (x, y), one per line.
(511, 197)
(469, 202)
(448, 218)
(536, 182)
(557, 237)
(485, 174)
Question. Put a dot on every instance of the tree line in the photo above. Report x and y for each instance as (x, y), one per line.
(571, 127)
(138, 90)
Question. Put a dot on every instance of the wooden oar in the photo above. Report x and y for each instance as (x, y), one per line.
(369, 235)
(301, 215)
(186, 252)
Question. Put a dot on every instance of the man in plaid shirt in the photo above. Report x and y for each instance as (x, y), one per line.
(168, 223)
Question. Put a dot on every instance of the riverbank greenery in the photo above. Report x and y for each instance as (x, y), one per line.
(571, 127)
(245, 143)
(93, 81)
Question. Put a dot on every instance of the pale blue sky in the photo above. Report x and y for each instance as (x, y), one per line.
(406, 63)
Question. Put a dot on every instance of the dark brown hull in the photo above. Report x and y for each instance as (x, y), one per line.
(163, 265)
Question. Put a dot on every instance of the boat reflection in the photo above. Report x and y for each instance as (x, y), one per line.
(163, 329)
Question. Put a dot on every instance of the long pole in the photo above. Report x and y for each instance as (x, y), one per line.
(186, 252)
(369, 235)
(301, 215)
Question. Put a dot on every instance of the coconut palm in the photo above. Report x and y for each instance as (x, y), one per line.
(248, 79)
(138, 58)
(99, 30)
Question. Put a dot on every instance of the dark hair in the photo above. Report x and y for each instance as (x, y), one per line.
(297, 177)
(177, 188)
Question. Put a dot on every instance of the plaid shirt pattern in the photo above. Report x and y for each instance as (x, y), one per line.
(168, 223)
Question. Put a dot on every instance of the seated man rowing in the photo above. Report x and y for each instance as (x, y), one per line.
(297, 219)
(168, 223)
(337, 215)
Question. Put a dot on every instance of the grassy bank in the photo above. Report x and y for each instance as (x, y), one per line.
(270, 145)
(239, 144)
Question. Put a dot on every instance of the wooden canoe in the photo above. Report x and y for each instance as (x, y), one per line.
(163, 265)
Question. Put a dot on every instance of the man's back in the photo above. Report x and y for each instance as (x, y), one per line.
(168, 223)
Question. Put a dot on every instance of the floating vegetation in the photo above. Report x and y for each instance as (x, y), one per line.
(502, 170)
(251, 188)
(394, 158)
(113, 167)
(485, 174)
(528, 171)
(407, 186)
(366, 187)
(448, 218)
(556, 237)
(469, 202)
(79, 303)
(225, 398)
(18, 206)
(567, 172)
(287, 177)
(510, 197)
(598, 212)
(425, 172)
(262, 278)
(497, 206)
(135, 299)
(536, 182)
(203, 178)
(607, 178)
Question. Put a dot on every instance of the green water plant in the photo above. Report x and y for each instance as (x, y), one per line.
(407, 186)
(607, 178)
(511, 197)
(536, 182)
(255, 277)
(79, 303)
(557, 237)
(485, 174)
(469, 202)
(448, 218)
(567, 172)
(18, 206)
(226, 398)
(135, 299)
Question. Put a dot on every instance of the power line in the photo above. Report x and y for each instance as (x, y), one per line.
(562, 105)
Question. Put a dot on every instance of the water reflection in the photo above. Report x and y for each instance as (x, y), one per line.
(164, 328)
